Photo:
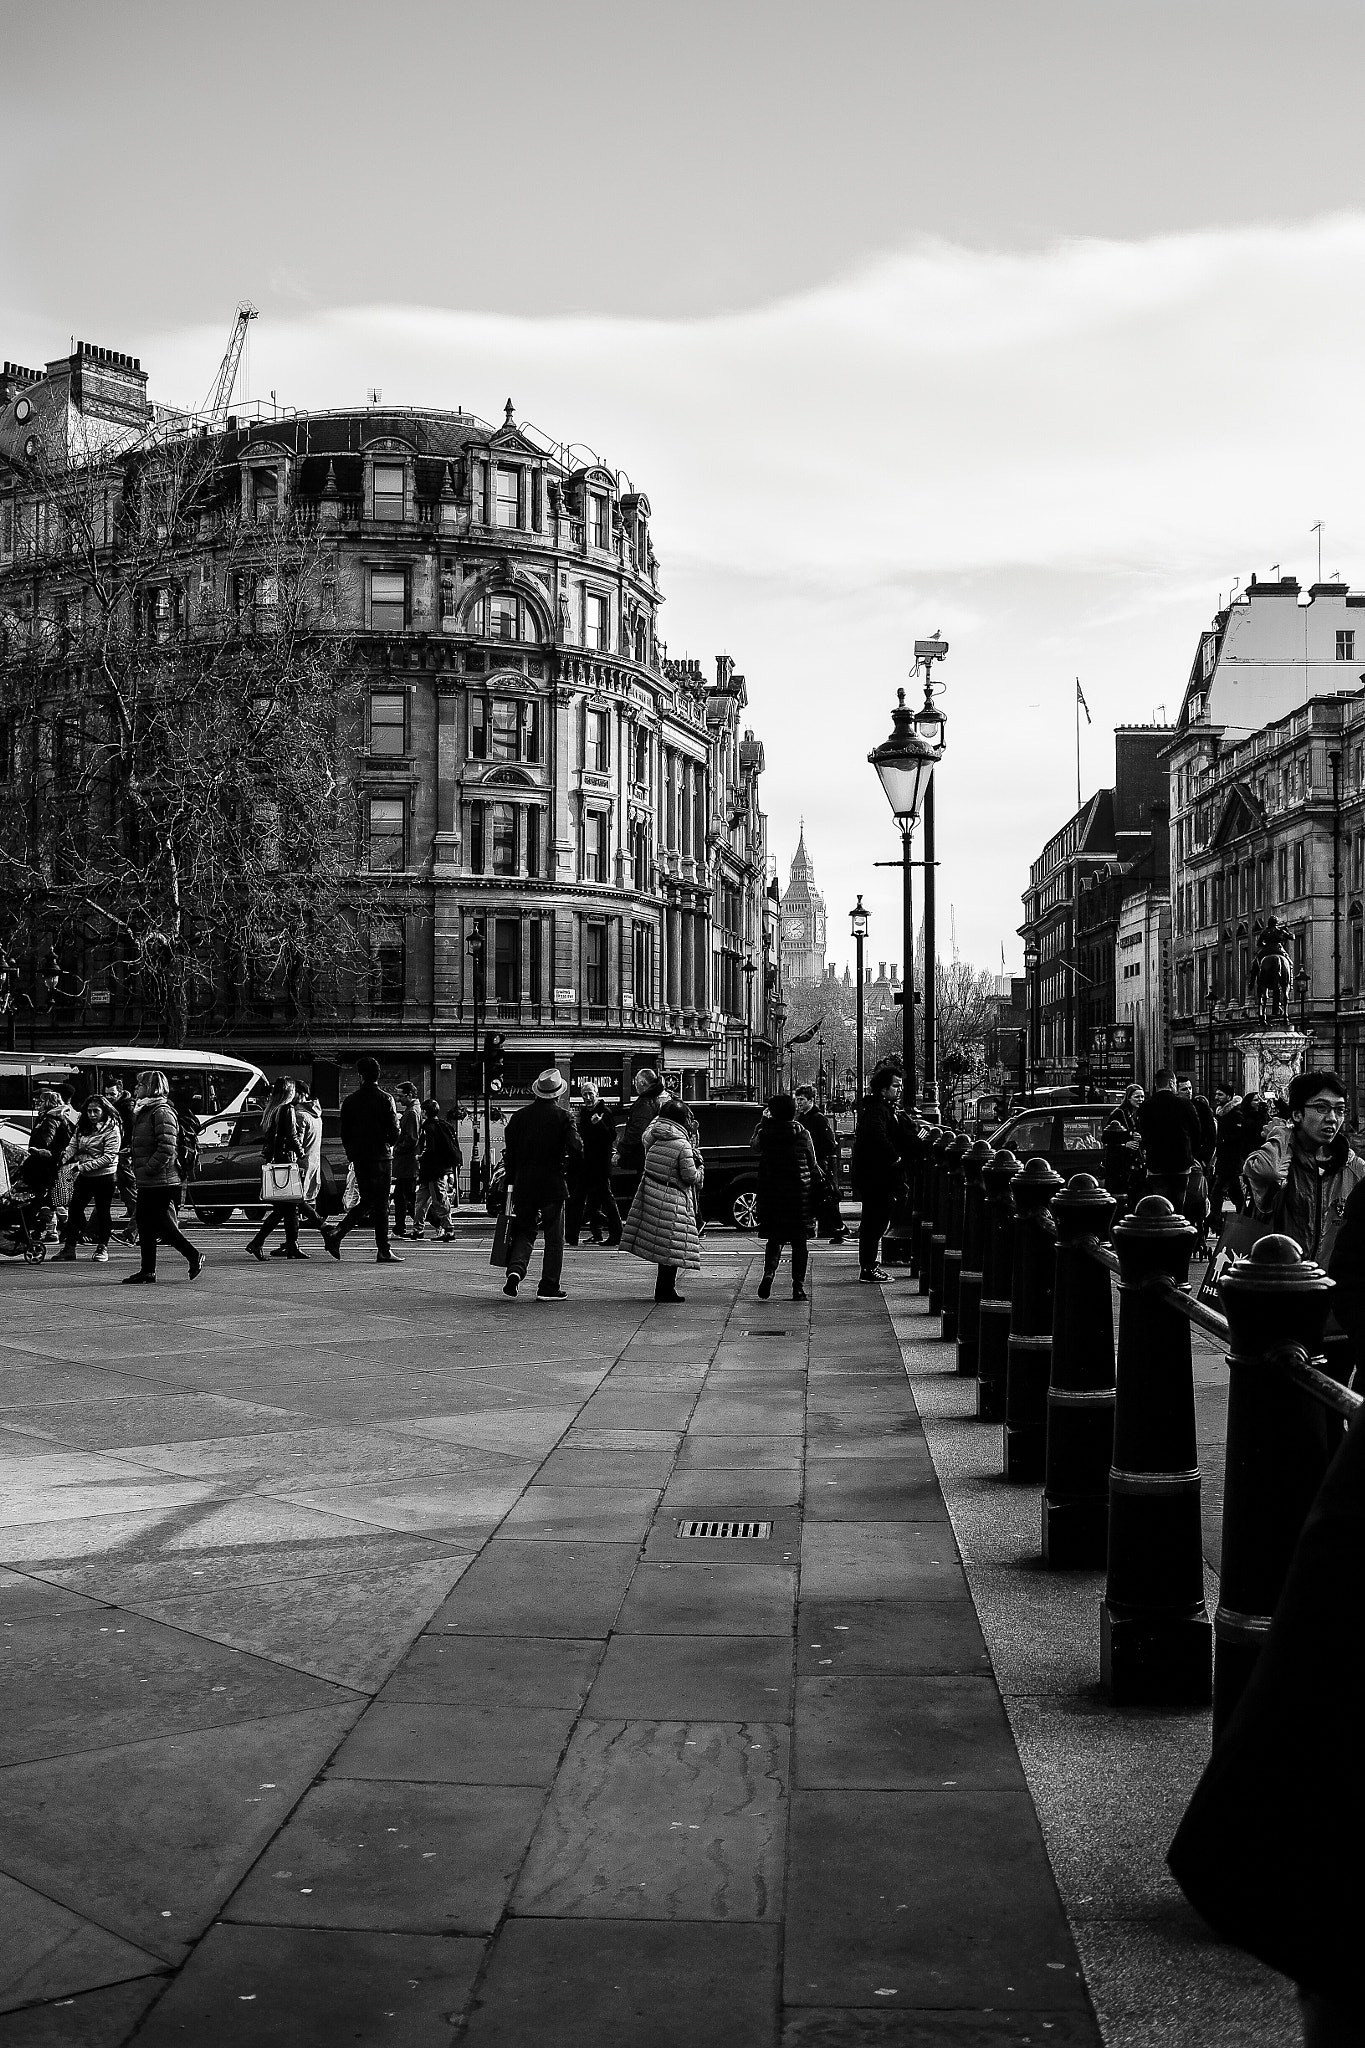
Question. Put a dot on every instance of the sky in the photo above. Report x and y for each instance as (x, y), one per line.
(1034, 326)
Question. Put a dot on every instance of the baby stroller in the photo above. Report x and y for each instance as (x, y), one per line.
(23, 1221)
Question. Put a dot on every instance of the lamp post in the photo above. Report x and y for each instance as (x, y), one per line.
(1334, 763)
(475, 944)
(1031, 1020)
(1301, 986)
(905, 766)
(857, 918)
(750, 970)
(820, 1073)
(778, 1013)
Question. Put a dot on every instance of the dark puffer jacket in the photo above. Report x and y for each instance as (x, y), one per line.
(787, 1179)
(156, 1128)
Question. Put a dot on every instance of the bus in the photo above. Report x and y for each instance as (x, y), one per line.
(208, 1085)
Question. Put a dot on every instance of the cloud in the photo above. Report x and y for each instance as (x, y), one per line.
(1059, 457)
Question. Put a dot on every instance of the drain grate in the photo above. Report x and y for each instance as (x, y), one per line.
(765, 1333)
(758, 1530)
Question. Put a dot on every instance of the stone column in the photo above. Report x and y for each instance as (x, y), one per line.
(689, 958)
(673, 954)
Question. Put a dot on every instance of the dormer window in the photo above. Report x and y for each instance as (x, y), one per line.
(265, 495)
(599, 519)
(388, 491)
(504, 617)
(506, 509)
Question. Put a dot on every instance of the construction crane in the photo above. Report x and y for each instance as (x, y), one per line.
(224, 384)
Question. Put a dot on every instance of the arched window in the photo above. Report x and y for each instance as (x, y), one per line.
(504, 616)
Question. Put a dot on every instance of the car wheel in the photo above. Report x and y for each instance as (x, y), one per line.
(744, 1209)
(34, 1254)
(213, 1217)
(257, 1213)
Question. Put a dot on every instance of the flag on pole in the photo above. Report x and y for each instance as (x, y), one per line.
(1080, 699)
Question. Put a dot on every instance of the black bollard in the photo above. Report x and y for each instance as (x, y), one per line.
(1080, 1396)
(952, 1243)
(915, 1156)
(1277, 1451)
(1029, 1352)
(934, 1142)
(1155, 1636)
(939, 1238)
(992, 1351)
(973, 1253)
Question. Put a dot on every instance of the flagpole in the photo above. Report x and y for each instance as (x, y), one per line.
(1078, 743)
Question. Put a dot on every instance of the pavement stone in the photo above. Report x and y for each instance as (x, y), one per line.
(48, 1950)
(582, 1780)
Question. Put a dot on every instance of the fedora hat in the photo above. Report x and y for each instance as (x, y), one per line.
(549, 1085)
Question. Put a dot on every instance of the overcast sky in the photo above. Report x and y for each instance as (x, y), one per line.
(1035, 324)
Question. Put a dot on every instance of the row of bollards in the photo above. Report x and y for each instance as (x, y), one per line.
(1018, 1270)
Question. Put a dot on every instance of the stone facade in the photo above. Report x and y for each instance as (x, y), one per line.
(533, 767)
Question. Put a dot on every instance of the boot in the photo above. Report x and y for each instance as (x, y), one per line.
(765, 1285)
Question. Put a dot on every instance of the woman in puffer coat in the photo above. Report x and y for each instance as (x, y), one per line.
(662, 1224)
(94, 1159)
(156, 1130)
(787, 1182)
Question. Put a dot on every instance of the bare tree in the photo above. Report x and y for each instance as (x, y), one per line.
(179, 714)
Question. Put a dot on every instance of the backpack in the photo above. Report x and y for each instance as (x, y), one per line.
(186, 1148)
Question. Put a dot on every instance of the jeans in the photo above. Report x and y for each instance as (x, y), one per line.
(372, 1179)
(550, 1217)
(90, 1187)
(772, 1258)
(156, 1221)
(592, 1202)
(404, 1200)
(1172, 1185)
(286, 1213)
(876, 1216)
(431, 1201)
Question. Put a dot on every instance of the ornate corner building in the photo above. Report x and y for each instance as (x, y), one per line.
(535, 775)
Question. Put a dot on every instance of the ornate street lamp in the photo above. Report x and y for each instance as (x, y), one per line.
(474, 942)
(905, 765)
(858, 920)
(1031, 1021)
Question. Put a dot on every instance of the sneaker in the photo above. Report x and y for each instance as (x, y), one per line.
(874, 1273)
(387, 1259)
(447, 1237)
(400, 1230)
(253, 1251)
(197, 1264)
(511, 1283)
(553, 1294)
(139, 1280)
(765, 1286)
(291, 1251)
(100, 1255)
(331, 1244)
(800, 1294)
(67, 1253)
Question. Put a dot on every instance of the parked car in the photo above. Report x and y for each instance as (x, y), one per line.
(1067, 1134)
(229, 1175)
(730, 1190)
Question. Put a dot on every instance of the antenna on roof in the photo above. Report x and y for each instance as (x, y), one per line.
(1316, 528)
(374, 395)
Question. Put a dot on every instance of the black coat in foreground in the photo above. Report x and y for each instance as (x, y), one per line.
(877, 1150)
(787, 1180)
(1269, 1850)
(542, 1140)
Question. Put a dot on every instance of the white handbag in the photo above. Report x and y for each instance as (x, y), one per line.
(281, 1182)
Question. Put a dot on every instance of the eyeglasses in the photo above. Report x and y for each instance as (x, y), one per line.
(1336, 1109)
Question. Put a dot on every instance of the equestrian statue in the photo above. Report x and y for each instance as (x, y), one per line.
(1274, 972)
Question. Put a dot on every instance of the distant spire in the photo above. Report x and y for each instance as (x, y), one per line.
(507, 413)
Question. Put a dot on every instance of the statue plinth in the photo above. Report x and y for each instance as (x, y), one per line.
(1271, 1055)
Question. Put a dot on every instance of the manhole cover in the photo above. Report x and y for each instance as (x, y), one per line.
(758, 1530)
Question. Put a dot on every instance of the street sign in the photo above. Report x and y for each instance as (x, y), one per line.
(565, 995)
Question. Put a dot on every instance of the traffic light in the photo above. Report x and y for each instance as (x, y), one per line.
(492, 1062)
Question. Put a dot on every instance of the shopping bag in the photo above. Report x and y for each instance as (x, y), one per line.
(1236, 1239)
(502, 1240)
(281, 1182)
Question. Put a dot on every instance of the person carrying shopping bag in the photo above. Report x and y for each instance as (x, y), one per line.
(284, 1146)
(439, 1159)
(662, 1225)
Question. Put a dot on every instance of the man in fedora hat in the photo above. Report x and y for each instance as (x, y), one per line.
(541, 1141)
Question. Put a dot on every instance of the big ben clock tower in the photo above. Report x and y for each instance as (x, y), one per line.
(803, 920)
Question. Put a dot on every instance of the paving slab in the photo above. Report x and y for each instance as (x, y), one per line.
(710, 1600)
(599, 1514)
(908, 1733)
(147, 1839)
(495, 1671)
(742, 1450)
(695, 1677)
(22, 1596)
(929, 2027)
(758, 1487)
(539, 1589)
(935, 1898)
(873, 1490)
(881, 1559)
(585, 1983)
(668, 1820)
(50, 1952)
(442, 1744)
(579, 1465)
(91, 2019)
(393, 1857)
(297, 1987)
(100, 1423)
(94, 1678)
(149, 1571)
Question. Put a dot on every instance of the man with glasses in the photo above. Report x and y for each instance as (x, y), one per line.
(1302, 1176)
